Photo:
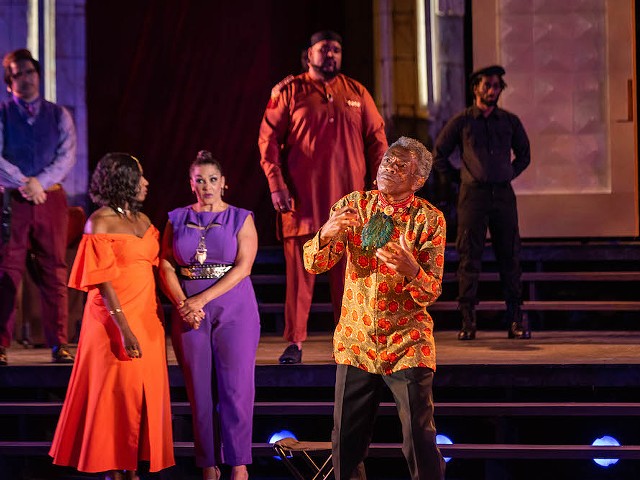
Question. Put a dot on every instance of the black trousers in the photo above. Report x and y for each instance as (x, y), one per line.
(492, 206)
(357, 396)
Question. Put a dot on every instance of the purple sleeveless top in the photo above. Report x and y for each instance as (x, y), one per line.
(221, 230)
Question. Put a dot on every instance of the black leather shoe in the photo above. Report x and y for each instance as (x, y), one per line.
(468, 330)
(465, 334)
(3, 356)
(519, 332)
(292, 354)
(518, 322)
(61, 354)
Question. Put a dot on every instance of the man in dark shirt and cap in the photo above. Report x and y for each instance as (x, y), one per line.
(321, 138)
(486, 135)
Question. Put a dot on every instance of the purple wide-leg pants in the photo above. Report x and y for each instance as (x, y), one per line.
(218, 363)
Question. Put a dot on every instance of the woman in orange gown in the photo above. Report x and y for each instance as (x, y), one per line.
(117, 408)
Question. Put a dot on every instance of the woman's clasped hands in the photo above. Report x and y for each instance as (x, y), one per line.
(191, 311)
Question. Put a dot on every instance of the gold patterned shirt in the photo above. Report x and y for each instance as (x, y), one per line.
(384, 325)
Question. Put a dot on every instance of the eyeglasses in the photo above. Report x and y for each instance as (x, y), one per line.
(23, 73)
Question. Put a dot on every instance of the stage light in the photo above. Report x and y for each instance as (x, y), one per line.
(279, 436)
(444, 440)
(605, 441)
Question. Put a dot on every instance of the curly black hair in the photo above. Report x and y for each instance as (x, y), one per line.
(205, 157)
(115, 182)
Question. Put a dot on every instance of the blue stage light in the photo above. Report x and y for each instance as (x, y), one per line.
(279, 436)
(605, 441)
(444, 440)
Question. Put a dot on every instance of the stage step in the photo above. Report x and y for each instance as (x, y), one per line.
(389, 450)
(566, 284)
(484, 451)
(531, 305)
(487, 409)
(394, 450)
(612, 250)
(595, 276)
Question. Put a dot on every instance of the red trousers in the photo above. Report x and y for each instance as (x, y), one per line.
(300, 289)
(41, 229)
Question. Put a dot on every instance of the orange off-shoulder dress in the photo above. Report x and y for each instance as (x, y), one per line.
(117, 410)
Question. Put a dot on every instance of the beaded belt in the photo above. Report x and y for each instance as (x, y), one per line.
(202, 272)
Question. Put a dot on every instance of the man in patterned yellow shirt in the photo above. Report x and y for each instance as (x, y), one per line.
(394, 244)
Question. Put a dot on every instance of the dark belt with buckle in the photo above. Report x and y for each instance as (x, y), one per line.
(207, 271)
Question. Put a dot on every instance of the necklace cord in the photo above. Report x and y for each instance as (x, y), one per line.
(201, 249)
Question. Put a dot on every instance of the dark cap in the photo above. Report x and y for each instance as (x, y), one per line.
(487, 71)
(324, 35)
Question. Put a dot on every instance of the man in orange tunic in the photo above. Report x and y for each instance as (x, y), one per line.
(394, 244)
(321, 137)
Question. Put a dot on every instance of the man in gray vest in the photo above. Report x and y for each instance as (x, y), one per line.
(37, 151)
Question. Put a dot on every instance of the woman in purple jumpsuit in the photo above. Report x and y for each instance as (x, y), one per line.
(208, 250)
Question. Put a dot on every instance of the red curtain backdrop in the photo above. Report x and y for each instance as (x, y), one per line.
(168, 78)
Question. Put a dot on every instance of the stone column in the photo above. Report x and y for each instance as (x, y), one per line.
(448, 53)
(71, 67)
(383, 51)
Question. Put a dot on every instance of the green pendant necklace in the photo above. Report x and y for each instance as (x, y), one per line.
(378, 231)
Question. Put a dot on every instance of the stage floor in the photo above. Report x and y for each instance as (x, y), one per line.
(489, 348)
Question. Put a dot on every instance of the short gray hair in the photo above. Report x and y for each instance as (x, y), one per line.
(423, 156)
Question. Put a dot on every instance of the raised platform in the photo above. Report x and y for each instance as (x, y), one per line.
(550, 358)
(498, 399)
(515, 409)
